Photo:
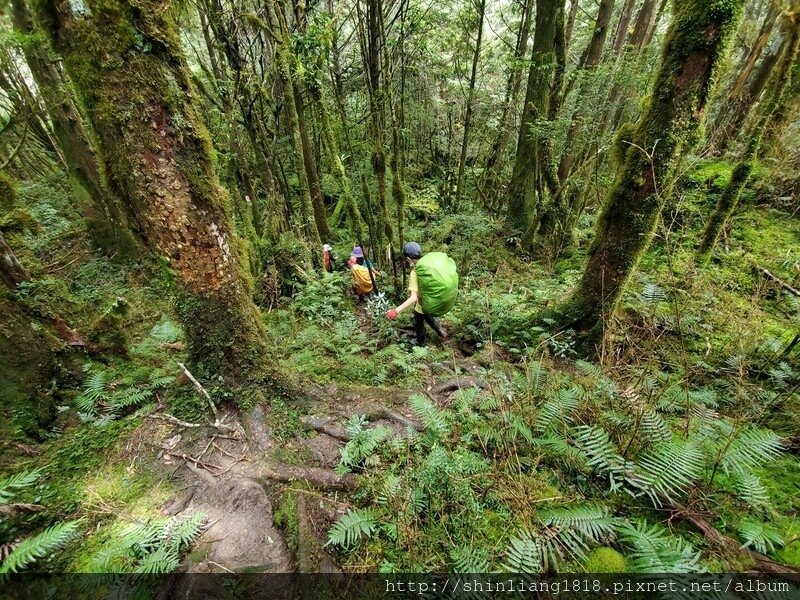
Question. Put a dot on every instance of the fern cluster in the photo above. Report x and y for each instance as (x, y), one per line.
(105, 398)
(150, 546)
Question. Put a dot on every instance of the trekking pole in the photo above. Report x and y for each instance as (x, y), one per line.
(369, 270)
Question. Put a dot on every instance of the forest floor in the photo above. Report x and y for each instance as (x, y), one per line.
(497, 450)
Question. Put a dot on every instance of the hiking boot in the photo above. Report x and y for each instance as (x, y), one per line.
(437, 327)
(414, 343)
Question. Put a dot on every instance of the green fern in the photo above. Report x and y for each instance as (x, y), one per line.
(602, 453)
(434, 419)
(653, 550)
(667, 470)
(760, 536)
(128, 397)
(750, 489)
(469, 560)
(361, 448)
(592, 521)
(38, 546)
(351, 527)
(557, 409)
(523, 554)
(10, 485)
(751, 448)
(164, 559)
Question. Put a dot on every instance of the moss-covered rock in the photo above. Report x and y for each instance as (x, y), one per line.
(605, 560)
(108, 332)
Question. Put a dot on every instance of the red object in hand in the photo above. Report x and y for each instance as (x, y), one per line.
(392, 314)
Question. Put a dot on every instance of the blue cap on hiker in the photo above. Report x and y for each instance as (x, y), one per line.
(358, 252)
(412, 250)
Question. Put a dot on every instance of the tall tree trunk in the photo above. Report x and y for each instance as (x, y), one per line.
(573, 13)
(645, 22)
(729, 198)
(106, 223)
(694, 48)
(623, 27)
(513, 85)
(462, 159)
(127, 64)
(591, 59)
(533, 175)
(310, 166)
(284, 59)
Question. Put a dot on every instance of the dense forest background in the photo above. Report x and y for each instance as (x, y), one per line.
(618, 182)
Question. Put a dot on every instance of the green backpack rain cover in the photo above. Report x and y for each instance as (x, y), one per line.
(438, 283)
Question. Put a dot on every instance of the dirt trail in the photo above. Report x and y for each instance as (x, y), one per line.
(237, 476)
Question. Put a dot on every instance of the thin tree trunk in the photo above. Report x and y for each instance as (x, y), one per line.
(623, 27)
(462, 159)
(513, 85)
(573, 13)
(729, 198)
(695, 46)
(594, 52)
(310, 166)
(533, 174)
(158, 154)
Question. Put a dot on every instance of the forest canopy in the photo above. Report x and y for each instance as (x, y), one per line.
(409, 286)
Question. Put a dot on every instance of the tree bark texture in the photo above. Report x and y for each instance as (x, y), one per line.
(126, 61)
(528, 179)
(694, 47)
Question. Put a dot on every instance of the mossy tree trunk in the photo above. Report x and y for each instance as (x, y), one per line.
(729, 198)
(126, 62)
(694, 48)
(105, 220)
(534, 175)
(494, 162)
(480, 8)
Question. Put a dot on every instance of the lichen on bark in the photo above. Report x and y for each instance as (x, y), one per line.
(125, 59)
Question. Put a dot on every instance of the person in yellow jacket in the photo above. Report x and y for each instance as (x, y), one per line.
(360, 269)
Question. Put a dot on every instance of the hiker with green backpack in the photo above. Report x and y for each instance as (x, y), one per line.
(433, 289)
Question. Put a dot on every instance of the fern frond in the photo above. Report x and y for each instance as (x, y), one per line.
(469, 560)
(557, 409)
(164, 559)
(601, 451)
(592, 521)
(38, 546)
(128, 397)
(667, 470)
(752, 447)
(760, 536)
(653, 550)
(351, 527)
(182, 532)
(96, 386)
(523, 554)
(431, 416)
(15, 482)
(750, 489)
(537, 378)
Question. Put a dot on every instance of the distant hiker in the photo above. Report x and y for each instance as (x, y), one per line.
(328, 258)
(363, 273)
(433, 289)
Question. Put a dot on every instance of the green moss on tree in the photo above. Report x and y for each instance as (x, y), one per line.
(694, 47)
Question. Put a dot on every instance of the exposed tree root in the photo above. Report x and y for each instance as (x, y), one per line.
(459, 383)
(763, 563)
(322, 478)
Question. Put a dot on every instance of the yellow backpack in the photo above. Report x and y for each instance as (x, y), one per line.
(361, 279)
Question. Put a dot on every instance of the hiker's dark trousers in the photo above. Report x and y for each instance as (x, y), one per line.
(419, 326)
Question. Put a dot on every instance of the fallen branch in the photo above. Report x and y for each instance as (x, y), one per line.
(8, 510)
(781, 283)
(202, 392)
(322, 478)
(459, 383)
(207, 466)
(763, 563)
(171, 419)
